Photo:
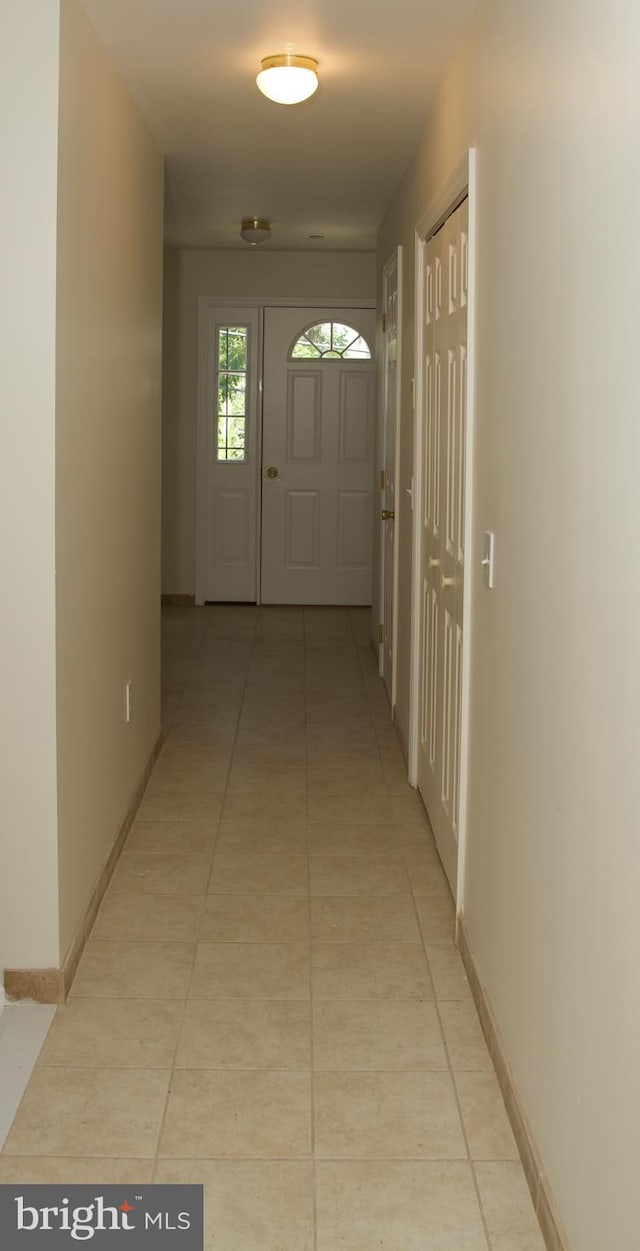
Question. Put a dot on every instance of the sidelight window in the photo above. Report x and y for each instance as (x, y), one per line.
(231, 393)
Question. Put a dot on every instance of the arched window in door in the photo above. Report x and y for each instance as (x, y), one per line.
(330, 340)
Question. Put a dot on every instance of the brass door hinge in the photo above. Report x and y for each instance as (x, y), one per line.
(384, 323)
(381, 633)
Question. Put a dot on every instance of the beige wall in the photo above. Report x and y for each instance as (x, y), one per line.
(108, 456)
(190, 274)
(28, 155)
(548, 93)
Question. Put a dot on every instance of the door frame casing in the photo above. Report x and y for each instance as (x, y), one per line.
(394, 262)
(207, 305)
(461, 183)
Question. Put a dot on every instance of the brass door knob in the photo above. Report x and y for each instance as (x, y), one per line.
(272, 472)
(434, 562)
(388, 514)
(444, 582)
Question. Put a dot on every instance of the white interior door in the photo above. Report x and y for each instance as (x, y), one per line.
(228, 455)
(442, 546)
(317, 456)
(388, 473)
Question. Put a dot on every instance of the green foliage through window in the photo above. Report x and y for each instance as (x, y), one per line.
(232, 392)
(331, 340)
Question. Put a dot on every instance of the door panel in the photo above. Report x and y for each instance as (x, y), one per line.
(302, 529)
(304, 417)
(318, 424)
(354, 529)
(444, 418)
(356, 429)
(231, 541)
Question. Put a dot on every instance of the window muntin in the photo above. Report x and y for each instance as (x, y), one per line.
(231, 393)
(330, 340)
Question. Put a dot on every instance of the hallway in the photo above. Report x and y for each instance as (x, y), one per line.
(271, 1003)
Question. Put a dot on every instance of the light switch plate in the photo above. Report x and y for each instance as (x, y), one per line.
(488, 557)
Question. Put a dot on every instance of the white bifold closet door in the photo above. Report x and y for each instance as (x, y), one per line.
(442, 572)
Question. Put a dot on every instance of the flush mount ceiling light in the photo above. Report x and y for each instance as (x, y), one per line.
(287, 78)
(255, 231)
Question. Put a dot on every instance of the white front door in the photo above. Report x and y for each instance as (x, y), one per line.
(442, 538)
(317, 456)
(390, 381)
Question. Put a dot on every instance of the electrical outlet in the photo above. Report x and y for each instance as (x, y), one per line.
(129, 701)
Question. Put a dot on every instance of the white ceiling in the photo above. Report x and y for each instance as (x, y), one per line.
(328, 166)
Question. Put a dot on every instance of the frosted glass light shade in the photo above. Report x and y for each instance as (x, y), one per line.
(255, 230)
(288, 79)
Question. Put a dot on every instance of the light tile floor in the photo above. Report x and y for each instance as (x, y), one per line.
(23, 1029)
(271, 1003)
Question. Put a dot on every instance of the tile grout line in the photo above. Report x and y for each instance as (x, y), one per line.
(314, 1173)
(271, 1159)
(165, 729)
(450, 1071)
(403, 831)
(442, 1033)
(157, 1158)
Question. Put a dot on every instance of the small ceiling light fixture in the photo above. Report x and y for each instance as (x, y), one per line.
(287, 78)
(255, 230)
